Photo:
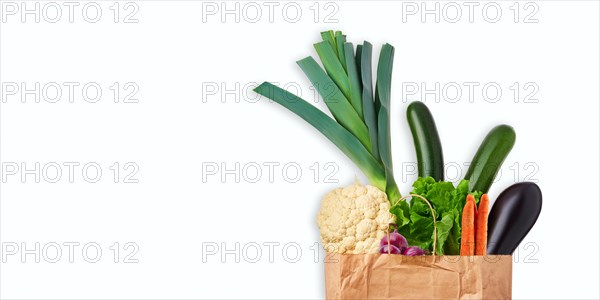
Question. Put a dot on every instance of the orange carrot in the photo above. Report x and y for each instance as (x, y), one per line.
(481, 228)
(467, 241)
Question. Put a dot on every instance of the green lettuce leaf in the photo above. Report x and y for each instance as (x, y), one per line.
(415, 221)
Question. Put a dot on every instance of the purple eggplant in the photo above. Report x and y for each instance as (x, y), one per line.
(513, 214)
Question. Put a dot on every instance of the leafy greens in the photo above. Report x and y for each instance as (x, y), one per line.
(415, 222)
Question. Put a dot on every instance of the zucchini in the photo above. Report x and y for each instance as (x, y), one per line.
(489, 158)
(430, 159)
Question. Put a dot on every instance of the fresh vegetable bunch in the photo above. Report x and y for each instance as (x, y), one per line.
(355, 219)
(455, 207)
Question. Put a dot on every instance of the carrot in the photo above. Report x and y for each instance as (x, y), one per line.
(467, 241)
(481, 228)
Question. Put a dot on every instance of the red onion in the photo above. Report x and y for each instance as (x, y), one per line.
(414, 251)
(393, 249)
(396, 240)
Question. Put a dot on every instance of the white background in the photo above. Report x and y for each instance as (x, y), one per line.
(181, 123)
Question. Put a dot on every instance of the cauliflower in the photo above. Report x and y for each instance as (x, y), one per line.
(354, 219)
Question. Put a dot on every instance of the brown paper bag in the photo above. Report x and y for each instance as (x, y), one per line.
(385, 276)
(391, 276)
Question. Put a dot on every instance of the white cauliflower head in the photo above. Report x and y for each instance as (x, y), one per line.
(354, 219)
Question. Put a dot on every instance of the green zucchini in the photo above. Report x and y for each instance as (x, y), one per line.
(430, 159)
(489, 158)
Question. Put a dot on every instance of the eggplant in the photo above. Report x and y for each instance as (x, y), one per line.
(512, 216)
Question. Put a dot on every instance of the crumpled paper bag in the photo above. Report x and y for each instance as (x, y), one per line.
(385, 276)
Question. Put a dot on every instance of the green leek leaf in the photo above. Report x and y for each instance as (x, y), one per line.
(334, 67)
(340, 40)
(358, 58)
(383, 93)
(329, 37)
(354, 78)
(369, 114)
(340, 108)
(337, 134)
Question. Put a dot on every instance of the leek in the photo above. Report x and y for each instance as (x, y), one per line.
(360, 126)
